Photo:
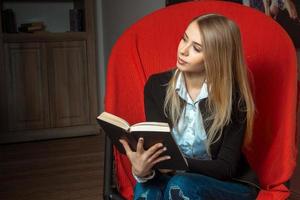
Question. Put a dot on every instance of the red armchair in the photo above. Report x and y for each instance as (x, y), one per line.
(150, 45)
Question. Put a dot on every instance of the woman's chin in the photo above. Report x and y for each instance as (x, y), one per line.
(181, 67)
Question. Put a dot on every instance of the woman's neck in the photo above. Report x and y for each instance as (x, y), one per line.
(193, 82)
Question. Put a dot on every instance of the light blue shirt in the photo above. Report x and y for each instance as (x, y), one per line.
(189, 133)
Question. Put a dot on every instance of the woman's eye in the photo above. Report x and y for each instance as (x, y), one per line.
(183, 38)
(196, 49)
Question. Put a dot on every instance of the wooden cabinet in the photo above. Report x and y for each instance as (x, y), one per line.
(68, 83)
(27, 86)
(49, 83)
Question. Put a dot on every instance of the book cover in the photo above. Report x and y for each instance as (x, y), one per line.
(76, 20)
(9, 21)
(153, 132)
(31, 27)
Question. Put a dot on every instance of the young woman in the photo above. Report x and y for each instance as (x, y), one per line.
(207, 101)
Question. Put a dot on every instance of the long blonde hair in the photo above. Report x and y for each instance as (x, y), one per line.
(225, 71)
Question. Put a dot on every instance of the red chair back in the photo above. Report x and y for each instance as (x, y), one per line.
(150, 45)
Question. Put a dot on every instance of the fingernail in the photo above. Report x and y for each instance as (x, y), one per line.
(141, 139)
(160, 145)
(169, 157)
(165, 148)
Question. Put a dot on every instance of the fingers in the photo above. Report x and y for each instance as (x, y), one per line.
(160, 159)
(156, 154)
(140, 146)
(290, 6)
(126, 146)
(153, 149)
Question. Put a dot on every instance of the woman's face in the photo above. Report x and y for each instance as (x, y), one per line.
(190, 56)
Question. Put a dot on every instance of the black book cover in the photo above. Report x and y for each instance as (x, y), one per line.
(76, 20)
(9, 21)
(115, 133)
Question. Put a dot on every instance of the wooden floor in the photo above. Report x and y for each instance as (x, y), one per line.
(58, 169)
(62, 169)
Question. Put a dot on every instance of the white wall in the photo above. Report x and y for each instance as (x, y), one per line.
(119, 15)
(112, 18)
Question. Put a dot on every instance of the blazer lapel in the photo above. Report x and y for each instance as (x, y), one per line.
(203, 106)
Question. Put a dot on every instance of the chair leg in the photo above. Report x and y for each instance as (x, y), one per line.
(108, 159)
(109, 190)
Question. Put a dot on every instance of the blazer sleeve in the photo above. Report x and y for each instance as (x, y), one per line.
(225, 165)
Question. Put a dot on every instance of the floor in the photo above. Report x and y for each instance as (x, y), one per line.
(58, 169)
(62, 169)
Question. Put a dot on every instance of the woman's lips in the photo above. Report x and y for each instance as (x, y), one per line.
(182, 62)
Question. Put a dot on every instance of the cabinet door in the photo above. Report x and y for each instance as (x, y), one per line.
(27, 86)
(68, 85)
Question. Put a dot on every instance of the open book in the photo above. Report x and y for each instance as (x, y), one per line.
(153, 132)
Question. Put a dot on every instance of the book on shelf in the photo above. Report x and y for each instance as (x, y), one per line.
(9, 21)
(153, 132)
(76, 20)
(32, 27)
(38, 23)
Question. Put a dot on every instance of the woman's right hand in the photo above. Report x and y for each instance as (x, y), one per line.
(143, 160)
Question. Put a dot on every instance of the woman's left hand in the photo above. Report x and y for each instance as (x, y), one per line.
(143, 160)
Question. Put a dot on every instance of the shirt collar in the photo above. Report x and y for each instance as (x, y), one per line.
(181, 90)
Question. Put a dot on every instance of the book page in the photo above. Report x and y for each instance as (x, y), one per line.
(151, 126)
(113, 119)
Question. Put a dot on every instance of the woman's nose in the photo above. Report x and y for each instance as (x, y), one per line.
(184, 50)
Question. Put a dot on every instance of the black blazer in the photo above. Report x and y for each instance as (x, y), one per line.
(228, 162)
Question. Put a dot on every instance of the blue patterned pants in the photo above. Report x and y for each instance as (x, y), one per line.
(190, 186)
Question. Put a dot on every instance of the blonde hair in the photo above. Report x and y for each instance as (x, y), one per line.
(225, 71)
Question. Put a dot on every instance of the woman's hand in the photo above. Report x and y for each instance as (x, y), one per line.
(143, 160)
(267, 7)
(291, 8)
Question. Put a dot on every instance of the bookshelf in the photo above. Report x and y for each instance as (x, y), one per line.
(48, 78)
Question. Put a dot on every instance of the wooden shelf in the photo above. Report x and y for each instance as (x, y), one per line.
(49, 79)
(45, 36)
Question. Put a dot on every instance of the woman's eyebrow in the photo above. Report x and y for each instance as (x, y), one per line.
(193, 41)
